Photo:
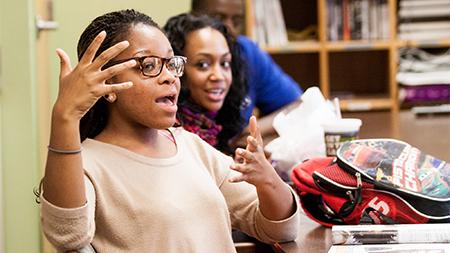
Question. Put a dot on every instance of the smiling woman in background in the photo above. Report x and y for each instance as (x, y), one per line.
(270, 89)
(213, 86)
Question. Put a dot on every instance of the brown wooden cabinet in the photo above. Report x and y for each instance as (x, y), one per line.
(362, 73)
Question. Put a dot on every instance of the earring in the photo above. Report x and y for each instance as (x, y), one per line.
(111, 97)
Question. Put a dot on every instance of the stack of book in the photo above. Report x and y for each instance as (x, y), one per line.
(424, 78)
(424, 19)
(269, 28)
(400, 238)
(358, 20)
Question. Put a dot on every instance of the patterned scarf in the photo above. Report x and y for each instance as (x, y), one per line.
(196, 120)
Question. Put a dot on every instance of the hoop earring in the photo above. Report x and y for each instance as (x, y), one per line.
(111, 97)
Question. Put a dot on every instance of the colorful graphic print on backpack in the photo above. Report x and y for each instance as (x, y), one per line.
(395, 166)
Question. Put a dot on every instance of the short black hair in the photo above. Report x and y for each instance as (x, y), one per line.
(229, 116)
(117, 25)
(196, 5)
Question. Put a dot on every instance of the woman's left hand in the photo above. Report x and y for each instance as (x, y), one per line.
(254, 168)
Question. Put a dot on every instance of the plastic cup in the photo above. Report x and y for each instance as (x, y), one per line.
(340, 131)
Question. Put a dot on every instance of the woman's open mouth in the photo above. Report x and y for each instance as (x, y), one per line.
(216, 94)
(168, 102)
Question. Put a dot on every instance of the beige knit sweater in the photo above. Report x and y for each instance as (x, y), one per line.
(179, 204)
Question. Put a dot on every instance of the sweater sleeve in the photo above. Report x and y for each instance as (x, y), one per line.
(243, 205)
(69, 228)
(246, 216)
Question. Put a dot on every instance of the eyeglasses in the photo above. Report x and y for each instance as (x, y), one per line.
(152, 66)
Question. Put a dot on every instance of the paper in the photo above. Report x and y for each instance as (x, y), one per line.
(392, 248)
(390, 234)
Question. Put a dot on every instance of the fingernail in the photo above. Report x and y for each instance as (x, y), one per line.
(101, 34)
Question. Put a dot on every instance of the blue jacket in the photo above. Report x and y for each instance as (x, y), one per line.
(269, 88)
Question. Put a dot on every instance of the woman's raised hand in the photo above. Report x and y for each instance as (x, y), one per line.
(82, 86)
(255, 168)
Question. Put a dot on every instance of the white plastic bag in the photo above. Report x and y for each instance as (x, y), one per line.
(300, 132)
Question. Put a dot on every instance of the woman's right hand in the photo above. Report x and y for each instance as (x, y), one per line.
(82, 86)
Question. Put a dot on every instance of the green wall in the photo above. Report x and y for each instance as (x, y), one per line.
(19, 159)
(19, 129)
(1, 146)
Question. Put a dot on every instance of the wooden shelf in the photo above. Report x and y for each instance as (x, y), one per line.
(369, 103)
(357, 45)
(295, 47)
(423, 43)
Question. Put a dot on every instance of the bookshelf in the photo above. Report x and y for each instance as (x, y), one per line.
(362, 73)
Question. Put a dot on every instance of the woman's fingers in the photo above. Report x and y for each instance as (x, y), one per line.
(116, 87)
(116, 69)
(245, 154)
(252, 144)
(254, 130)
(255, 133)
(242, 175)
(64, 62)
(237, 179)
(93, 47)
(252, 125)
(242, 168)
(109, 54)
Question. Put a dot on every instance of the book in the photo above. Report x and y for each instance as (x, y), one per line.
(334, 9)
(346, 20)
(431, 77)
(424, 93)
(422, 3)
(373, 20)
(357, 20)
(390, 234)
(425, 35)
(434, 109)
(427, 11)
(392, 248)
(269, 31)
(383, 18)
(423, 26)
(365, 20)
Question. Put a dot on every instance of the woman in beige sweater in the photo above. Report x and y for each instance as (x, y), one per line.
(121, 178)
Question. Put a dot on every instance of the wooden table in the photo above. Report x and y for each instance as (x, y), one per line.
(313, 238)
(431, 134)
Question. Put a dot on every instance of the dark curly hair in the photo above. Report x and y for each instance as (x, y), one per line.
(229, 116)
(117, 25)
(196, 5)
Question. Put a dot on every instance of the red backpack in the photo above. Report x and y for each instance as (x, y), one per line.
(374, 181)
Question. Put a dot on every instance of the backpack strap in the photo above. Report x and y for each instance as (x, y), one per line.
(373, 216)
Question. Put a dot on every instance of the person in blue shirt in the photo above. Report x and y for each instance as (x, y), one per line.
(270, 89)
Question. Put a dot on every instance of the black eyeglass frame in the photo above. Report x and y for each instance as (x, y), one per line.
(140, 60)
